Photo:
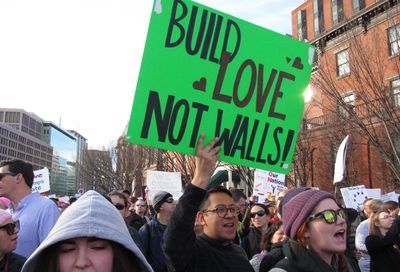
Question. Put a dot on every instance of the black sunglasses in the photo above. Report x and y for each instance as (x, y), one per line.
(330, 216)
(259, 213)
(119, 206)
(2, 175)
(11, 228)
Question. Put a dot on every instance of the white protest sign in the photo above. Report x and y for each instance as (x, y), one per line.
(354, 197)
(392, 196)
(164, 181)
(41, 182)
(267, 183)
(374, 193)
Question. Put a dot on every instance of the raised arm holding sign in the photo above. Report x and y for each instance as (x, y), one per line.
(215, 210)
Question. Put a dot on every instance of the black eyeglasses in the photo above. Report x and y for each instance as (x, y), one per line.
(222, 211)
(259, 213)
(169, 200)
(330, 216)
(11, 228)
(119, 206)
(2, 175)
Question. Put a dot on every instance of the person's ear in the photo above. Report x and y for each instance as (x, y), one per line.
(200, 217)
(19, 178)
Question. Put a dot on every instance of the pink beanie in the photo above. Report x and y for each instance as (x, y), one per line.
(5, 201)
(4, 215)
(299, 208)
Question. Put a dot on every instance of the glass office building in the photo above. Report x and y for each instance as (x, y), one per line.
(63, 170)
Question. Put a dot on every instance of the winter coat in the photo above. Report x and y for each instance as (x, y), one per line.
(12, 262)
(151, 234)
(384, 251)
(187, 253)
(272, 258)
(300, 259)
(251, 242)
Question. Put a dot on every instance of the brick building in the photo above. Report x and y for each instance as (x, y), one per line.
(355, 85)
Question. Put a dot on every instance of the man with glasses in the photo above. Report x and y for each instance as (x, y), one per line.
(8, 242)
(138, 215)
(213, 250)
(153, 231)
(37, 215)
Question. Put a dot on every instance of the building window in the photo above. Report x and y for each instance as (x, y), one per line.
(349, 103)
(342, 63)
(394, 40)
(318, 17)
(358, 5)
(395, 87)
(302, 25)
(337, 11)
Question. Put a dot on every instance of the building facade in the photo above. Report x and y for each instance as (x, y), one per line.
(81, 168)
(63, 170)
(21, 138)
(355, 84)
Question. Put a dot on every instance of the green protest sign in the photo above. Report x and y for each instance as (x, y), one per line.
(204, 71)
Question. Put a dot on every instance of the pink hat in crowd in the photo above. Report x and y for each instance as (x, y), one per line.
(5, 201)
(4, 215)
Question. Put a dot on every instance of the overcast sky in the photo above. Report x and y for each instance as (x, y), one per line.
(77, 61)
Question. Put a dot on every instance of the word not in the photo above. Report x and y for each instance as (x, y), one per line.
(166, 122)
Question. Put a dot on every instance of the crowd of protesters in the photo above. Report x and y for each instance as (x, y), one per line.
(208, 229)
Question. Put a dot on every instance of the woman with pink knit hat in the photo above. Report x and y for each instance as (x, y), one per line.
(316, 227)
(9, 262)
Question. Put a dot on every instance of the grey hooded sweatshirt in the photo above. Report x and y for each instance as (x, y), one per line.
(90, 216)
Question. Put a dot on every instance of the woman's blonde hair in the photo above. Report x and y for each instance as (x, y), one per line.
(373, 228)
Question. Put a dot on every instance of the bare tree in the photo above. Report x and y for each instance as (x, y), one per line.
(375, 113)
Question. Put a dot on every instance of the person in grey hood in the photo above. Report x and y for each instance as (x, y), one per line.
(90, 235)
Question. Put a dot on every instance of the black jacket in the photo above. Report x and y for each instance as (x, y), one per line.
(136, 221)
(151, 234)
(251, 242)
(384, 256)
(12, 263)
(186, 252)
(300, 259)
(274, 255)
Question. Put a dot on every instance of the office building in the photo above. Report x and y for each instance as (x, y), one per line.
(81, 168)
(21, 138)
(63, 170)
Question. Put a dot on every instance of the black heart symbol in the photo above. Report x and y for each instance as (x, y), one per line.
(288, 59)
(200, 84)
(297, 64)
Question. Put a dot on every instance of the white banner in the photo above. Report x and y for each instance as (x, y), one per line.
(164, 181)
(340, 164)
(392, 196)
(267, 183)
(41, 182)
(374, 193)
(354, 197)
